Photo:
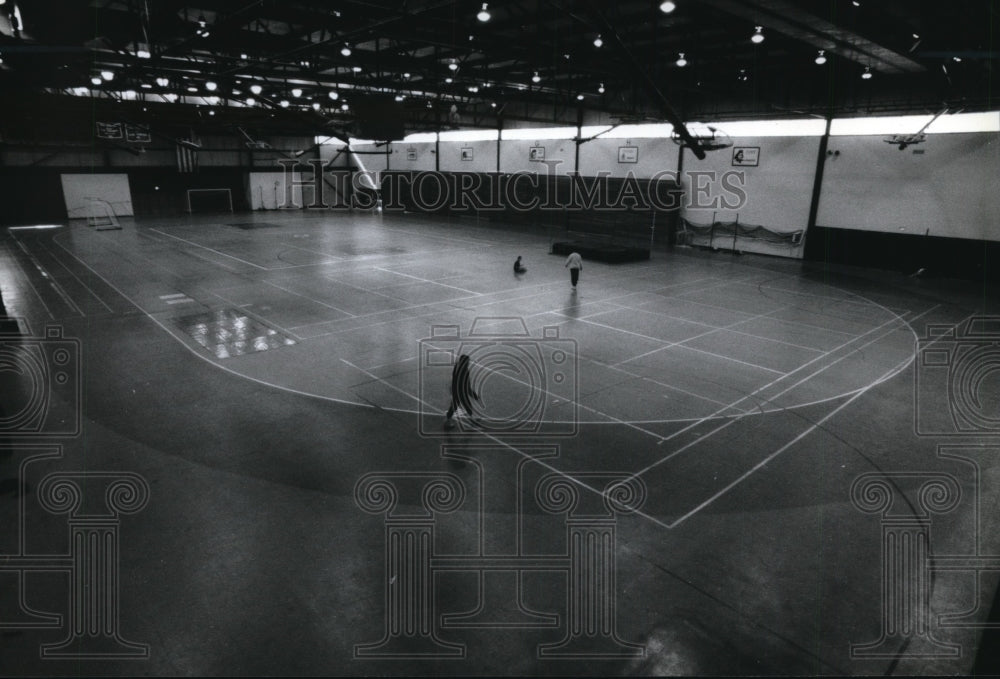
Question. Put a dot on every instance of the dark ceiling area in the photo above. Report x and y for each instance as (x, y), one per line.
(421, 65)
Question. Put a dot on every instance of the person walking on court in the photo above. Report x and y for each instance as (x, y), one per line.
(575, 264)
(518, 267)
(461, 391)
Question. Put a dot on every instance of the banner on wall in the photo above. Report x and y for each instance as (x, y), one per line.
(137, 134)
(746, 156)
(109, 130)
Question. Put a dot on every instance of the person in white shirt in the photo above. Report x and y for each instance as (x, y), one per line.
(575, 264)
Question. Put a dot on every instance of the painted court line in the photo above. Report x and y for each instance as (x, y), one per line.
(73, 274)
(314, 301)
(203, 247)
(424, 280)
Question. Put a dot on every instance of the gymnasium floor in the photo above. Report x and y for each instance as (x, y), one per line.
(253, 369)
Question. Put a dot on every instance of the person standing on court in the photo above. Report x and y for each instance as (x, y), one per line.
(575, 264)
(461, 390)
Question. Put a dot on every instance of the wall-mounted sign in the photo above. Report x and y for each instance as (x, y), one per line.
(137, 134)
(467, 153)
(746, 156)
(628, 154)
(536, 153)
(411, 154)
(109, 130)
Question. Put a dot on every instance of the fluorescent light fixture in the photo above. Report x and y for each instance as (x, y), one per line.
(533, 133)
(192, 88)
(667, 7)
(356, 69)
(421, 137)
(484, 14)
(468, 135)
(143, 54)
(473, 88)
(758, 35)
(146, 86)
(946, 124)
(36, 227)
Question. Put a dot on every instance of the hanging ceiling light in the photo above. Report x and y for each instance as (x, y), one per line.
(283, 103)
(473, 88)
(356, 69)
(236, 92)
(579, 97)
(536, 78)
(108, 75)
(296, 92)
(346, 50)
(96, 80)
(867, 75)
(256, 89)
(821, 57)
(399, 97)
(681, 61)
(758, 36)
(170, 96)
(162, 82)
(449, 80)
(315, 105)
(453, 65)
(210, 86)
(667, 7)
(344, 106)
(251, 101)
(598, 41)
(334, 95)
(484, 14)
(143, 54)
(192, 88)
(212, 100)
(600, 89)
(201, 21)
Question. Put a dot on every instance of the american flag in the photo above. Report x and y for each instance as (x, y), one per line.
(187, 155)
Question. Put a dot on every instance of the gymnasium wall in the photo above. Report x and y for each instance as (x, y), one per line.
(944, 187)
